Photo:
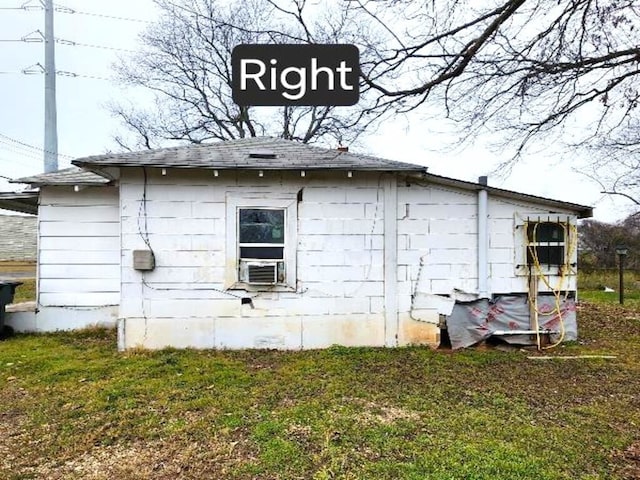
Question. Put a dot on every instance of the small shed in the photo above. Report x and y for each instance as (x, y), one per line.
(268, 243)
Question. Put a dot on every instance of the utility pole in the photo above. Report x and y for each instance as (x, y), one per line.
(50, 113)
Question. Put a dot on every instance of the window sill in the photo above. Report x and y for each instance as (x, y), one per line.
(553, 270)
(248, 287)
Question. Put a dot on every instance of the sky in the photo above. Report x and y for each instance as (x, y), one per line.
(94, 34)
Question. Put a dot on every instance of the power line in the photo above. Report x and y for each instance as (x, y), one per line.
(27, 7)
(89, 45)
(18, 150)
(19, 156)
(37, 37)
(38, 69)
(29, 38)
(63, 73)
(64, 9)
(27, 145)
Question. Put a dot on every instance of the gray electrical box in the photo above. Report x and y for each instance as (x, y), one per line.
(143, 260)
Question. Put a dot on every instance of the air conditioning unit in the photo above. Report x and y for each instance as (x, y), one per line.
(261, 272)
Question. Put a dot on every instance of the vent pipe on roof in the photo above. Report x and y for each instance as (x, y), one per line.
(483, 239)
(263, 154)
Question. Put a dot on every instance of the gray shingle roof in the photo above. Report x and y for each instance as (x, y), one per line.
(258, 153)
(24, 202)
(67, 176)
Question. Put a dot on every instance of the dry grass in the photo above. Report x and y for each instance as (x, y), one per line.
(74, 408)
(25, 292)
(9, 266)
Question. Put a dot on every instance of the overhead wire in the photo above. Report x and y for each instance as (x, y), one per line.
(15, 151)
(67, 10)
(63, 73)
(62, 41)
(71, 43)
(28, 145)
(64, 9)
(25, 153)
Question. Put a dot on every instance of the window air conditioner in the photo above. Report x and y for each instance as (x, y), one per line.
(260, 273)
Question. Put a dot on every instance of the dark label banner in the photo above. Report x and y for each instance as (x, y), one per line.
(273, 75)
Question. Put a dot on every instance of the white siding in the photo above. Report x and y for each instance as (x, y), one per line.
(507, 250)
(339, 275)
(79, 247)
(438, 226)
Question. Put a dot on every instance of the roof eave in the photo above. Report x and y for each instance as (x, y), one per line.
(582, 211)
(22, 202)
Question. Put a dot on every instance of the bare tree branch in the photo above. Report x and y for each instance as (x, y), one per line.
(186, 63)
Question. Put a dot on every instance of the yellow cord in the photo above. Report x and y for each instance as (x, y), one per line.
(570, 235)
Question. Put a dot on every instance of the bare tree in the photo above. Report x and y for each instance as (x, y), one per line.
(186, 63)
(540, 73)
(525, 67)
(598, 242)
(536, 75)
(615, 165)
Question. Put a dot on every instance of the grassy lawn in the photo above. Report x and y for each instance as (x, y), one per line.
(73, 408)
(591, 286)
(25, 292)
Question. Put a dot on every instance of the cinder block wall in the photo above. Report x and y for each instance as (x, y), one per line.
(18, 238)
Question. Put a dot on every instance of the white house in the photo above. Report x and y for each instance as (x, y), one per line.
(267, 243)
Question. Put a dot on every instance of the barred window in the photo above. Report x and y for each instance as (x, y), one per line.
(546, 243)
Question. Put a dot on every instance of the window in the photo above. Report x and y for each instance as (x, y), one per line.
(545, 243)
(261, 242)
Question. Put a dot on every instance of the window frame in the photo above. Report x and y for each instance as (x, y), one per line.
(287, 203)
(568, 223)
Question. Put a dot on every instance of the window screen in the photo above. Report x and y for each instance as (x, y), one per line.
(261, 233)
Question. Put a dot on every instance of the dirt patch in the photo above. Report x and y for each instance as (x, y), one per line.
(159, 459)
(12, 427)
(371, 412)
(629, 460)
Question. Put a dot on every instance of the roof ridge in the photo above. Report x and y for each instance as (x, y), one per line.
(236, 154)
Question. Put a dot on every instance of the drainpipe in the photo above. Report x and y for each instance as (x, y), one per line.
(121, 335)
(483, 239)
(391, 326)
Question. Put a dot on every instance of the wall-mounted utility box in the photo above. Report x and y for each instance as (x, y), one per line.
(143, 260)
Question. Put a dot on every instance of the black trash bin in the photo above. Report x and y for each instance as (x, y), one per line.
(7, 291)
